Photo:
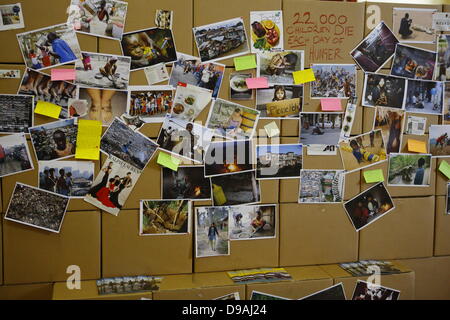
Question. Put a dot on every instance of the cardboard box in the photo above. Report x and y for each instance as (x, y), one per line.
(35, 255)
(441, 179)
(403, 282)
(89, 291)
(305, 281)
(405, 232)
(131, 254)
(316, 234)
(36, 291)
(1, 251)
(339, 25)
(431, 280)
(442, 228)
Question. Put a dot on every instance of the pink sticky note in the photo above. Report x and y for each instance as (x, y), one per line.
(257, 83)
(63, 74)
(331, 104)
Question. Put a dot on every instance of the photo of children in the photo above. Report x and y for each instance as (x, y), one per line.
(320, 128)
(104, 104)
(279, 161)
(413, 63)
(11, 17)
(377, 48)
(333, 81)
(390, 121)
(414, 25)
(151, 104)
(158, 217)
(211, 232)
(101, 18)
(278, 66)
(363, 151)
(252, 222)
(188, 183)
(221, 40)
(443, 58)
(163, 19)
(424, 97)
(279, 101)
(369, 206)
(232, 120)
(321, 186)
(103, 71)
(68, 178)
(49, 47)
(383, 91)
(228, 157)
(235, 189)
(17, 113)
(370, 291)
(439, 141)
(14, 155)
(238, 86)
(189, 101)
(409, 169)
(149, 47)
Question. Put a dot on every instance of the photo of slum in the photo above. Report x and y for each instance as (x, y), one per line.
(279, 161)
(318, 186)
(17, 113)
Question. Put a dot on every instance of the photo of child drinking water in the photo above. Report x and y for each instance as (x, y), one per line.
(277, 67)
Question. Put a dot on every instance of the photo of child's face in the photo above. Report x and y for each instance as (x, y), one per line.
(134, 47)
(280, 95)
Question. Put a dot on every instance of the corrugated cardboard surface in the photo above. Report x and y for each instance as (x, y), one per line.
(441, 179)
(37, 291)
(35, 255)
(442, 228)
(316, 234)
(1, 250)
(405, 232)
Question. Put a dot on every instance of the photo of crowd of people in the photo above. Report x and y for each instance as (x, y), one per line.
(228, 157)
(235, 189)
(413, 63)
(104, 104)
(383, 91)
(279, 161)
(278, 66)
(9, 74)
(120, 285)
(17, 113)
(425, 97)
(409, 169)
(371, 291)
(252, 222)
(14, 155)
(159, 217)
(390, 121)
(333, 81)
(187, 183)
(439, 140)
(414, 25)
(151, 104)
(211, 232)
(320, 128)
(279, 101)
(321, 186)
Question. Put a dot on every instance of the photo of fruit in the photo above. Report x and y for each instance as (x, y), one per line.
(266, 30)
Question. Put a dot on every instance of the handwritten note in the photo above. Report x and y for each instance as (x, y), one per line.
(245, 63)
(417, 146)
(257, 83)
(63, 74)
(372, 176)
(444, 167)
(168, 161)
(272, 129)
(331, 104)
(47, 109)
(303, 76)
(88, 139)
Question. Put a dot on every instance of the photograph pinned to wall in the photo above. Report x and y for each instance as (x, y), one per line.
(320, 128)
(446, 107)
(149, 47)
(163, 19)
(279, 102)
(186, 139)
(369, 206)
(278, 66)
(238, 86)
(211, 232)
(266, 30)
(54, 140)
(425, 97)
(12, 17)
(443, 54)
(228, 157)
(230, 296)
(232, 120)
(49, 47)
(189, 101)
(390, 121)
(333, 81)
(447, 209)
(221, 40)
(252, 222)
(68, 178)
(158, 217)
(363, 151)
(103, 104)
(321, 150)
(113, 184)
(441, 21)
(415, 125)
(349, 119)
(14, 155)
(235, 189)
(77, 108)
(133, 122)
(439, 140)
(9, 74)
(191, 70)
(256, 295)
(17, 113)
(370, 291)
(187, 183)
(384, 91)
(279, 161)
(414, 25)
(101, 18)
(130, 146)
(409, 169)
(37, 208)
(335, 292)
(150, 103)
(156, 74)
(321, 186)
(413, 63)
(376, 49)
(104, 71)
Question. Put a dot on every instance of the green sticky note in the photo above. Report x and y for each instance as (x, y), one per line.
(372, 176)
(168, 161)
(444, 167)
(244, 63)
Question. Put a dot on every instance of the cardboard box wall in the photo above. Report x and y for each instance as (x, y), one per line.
(403, 282)
(36, 291)
(441, 179)
(1, 250)
(442, 228)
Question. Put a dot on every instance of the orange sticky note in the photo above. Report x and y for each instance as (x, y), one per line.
(88, 139)
(47, 109)
(303, 76)
(417, 146)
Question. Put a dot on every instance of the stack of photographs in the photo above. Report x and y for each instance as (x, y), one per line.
(365, 267)
(121, 285)
(259, 275)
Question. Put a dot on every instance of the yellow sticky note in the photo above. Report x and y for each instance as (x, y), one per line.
(88, 139)
(48, 109)
(168, 161)
(272, 129)
(372, 176)
(303, 76)
(244, 63)
(444, 167)
(417, 146)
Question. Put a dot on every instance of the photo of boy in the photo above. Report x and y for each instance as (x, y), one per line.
(414, 25)
(409, 169)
